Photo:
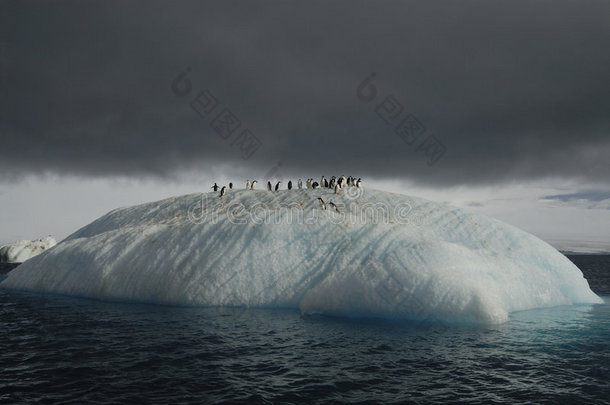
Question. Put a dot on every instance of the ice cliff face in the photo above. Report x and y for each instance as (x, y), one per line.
(22, 250)
(376, 254)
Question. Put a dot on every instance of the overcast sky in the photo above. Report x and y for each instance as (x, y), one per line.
(476, 103)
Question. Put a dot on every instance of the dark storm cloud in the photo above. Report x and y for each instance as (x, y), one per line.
(512, 90)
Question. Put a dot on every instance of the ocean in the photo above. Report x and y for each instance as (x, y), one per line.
(56, 349)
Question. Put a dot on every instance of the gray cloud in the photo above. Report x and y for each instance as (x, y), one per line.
(591, 195)
(513, 90)
(589, 199)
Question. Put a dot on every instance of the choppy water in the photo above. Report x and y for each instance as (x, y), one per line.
(68, 350)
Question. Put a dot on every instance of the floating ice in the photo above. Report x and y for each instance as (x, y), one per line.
(377, 254)
(22, 250)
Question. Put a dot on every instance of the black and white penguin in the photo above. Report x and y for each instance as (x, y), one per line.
(289, 184)
(322, 180)
(215, 187)
(253, 184)
(359, 182)
(277, 186)
(332, 183)
(315, 185)
(308, 184)
(332, 204)
(325, 183)
(230, 186)
(223, 191)
(269, 185)
(322, 202)
(337, 189)
(248, 185)
(300, 184)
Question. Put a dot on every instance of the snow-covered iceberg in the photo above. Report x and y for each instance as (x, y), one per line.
(373, 254)
(25, 249)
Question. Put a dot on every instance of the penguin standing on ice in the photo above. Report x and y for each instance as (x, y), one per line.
(337, 189)
(359, 182)
(322, 202)
(223, 191)
(315, 185)
(322, 180)
(269, 186)
(230, 186)
(332, 182)
(248, 185)
(300, 184)
(289, 184)
(277, 186)
(253, 184)
(215, 187)
(308, 184)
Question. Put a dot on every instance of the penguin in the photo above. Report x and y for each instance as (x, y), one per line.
(248, 185)
(231, 186)
(315, 185)
(223, 191)
(343, 181)
(359, 182)
(332, 204)
(332, 183)
(277, 186)
(308, 183)
(337, 189)
(253, 184)
(269, 185)
(350, 181)
(322, 180)
(325, 183)
(289, 184)
(215, 187)
(300, 184)
(322, 202)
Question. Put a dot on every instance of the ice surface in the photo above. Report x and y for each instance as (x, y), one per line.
(380, 255)
(22, 250)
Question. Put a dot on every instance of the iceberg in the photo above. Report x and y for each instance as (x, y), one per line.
(371, 254)
(22, 250)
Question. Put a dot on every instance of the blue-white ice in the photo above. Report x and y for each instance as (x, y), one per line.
(381, 255)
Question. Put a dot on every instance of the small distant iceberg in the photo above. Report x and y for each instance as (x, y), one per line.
(369, 254)
(22, 250)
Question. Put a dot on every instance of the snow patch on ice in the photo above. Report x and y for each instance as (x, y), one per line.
(22, 250)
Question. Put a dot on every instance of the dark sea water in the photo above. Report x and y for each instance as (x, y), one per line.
(57, 349)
